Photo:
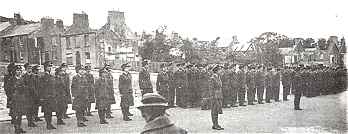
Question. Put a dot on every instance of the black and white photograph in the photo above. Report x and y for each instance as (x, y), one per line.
(173, 66)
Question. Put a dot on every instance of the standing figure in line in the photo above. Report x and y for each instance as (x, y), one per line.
(235, 85)
(250, 82)
(62, 96)
(64, 68)
(30, 87)
(241, 86)
(126, 92)
(90, 87)
(102, 95)
(285, 77)
(19, 106)
(275, 84)
(163, 83)
(180, 78)
(111, 91)
(8, 87)
(226, 88)
(36, 105)
(171, 93)
(215, 89)
(298, 87)
(144, 79)
(260, 83)
(204, 87)
(80, 95)
(268, 85)
(48, 94)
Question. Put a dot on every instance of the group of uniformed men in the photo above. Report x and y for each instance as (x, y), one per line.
(28, 89)
(210, 86)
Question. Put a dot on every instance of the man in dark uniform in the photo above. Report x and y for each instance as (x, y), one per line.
(215, 89)
(64, 68)
(234, 85)
(268, 84)
(260, 83)
(250, 82)
(102, 95)
(275, 84)
(111, 97)
(62, 96)
(163, 82)
(180, 79)
(241, 85)
(298, 86)
(203, 83)
(8, 87)
(171, 93)
(30, 86)
(48, 94)
(226, 86)
(144, 79)
(91, 92)
(126, 92)
(80, 95)
(21, 101)
(36, 79)
(285, 76)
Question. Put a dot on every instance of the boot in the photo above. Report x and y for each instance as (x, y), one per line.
(60, 122)
(36, 119)
(32, 124)
(108, 116)
(128, 113)
(81, 125)
(49, 125)
(103, 122)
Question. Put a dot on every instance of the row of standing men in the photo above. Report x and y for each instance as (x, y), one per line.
(28, 89)
(187, 85)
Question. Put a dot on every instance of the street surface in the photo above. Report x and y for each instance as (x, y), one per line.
(322, 114)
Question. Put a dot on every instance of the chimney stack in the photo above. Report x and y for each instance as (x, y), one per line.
(47, 24)
(60, 25)
(81, 21)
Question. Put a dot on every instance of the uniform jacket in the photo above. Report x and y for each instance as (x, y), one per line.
(162, 125)
(90, 87)
(79, 86)
(259, 78)
(60, 87)
(180, 78)
(144, 79)
(102, 93)
(250, 79)
(268, 77)
(125, 83)
(215, 87)
(163, 82)
(297, 87)
(225, 79)
(241, 79)
(47, 90)
(8, 87)
(21, 103)
(286, 78)
(110, 84)
(275, 79)
(203, 83)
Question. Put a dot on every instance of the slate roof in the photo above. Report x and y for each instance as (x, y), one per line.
(4, 25)
(23, 29)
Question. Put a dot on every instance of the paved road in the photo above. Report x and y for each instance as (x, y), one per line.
(323, 114)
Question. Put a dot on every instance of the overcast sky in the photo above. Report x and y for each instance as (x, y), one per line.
(203, 19)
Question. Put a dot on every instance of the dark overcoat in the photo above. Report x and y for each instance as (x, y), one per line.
(216, 96)
(102, 93)
(126, 90)
(47, 92)
(21, 101)
(90, 87)
(79, 92)
(145, 81)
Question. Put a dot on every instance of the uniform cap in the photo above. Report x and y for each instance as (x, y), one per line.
(48, 64)
(36, 67)
(153, 100)
(79, 67)
(145, 62)
(88, 67)
(125, 65)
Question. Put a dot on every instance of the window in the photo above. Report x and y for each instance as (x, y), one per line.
(69, 58)
(88, 55)
(109, 49)
(21, 41)
(77, 44)
(68, 45)
(85, 39)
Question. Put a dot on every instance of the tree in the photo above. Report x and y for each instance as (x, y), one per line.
(266, 47)
(322, 44)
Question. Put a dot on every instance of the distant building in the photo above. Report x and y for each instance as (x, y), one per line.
(33, 42)
(79, 43)
(119, 45)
